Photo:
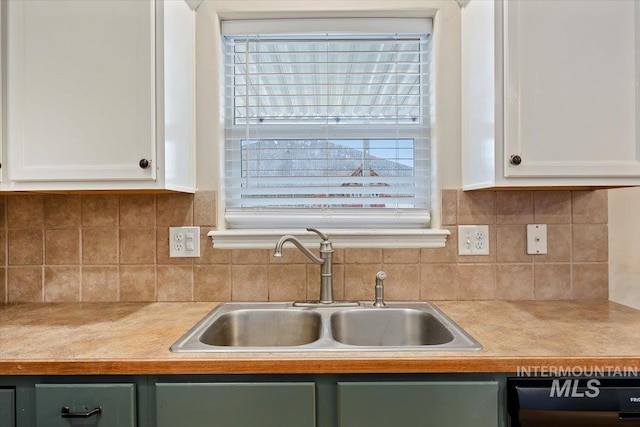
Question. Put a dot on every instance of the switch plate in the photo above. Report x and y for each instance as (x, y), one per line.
(473, 240)
(184, 242)
(536, 239)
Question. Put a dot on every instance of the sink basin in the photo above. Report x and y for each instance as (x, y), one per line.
(263, 328)
(283, 327)
(388, 327)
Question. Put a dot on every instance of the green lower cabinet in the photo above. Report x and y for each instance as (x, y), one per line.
(235, 404)
(65, 405)
(418, 404)
(7, 407)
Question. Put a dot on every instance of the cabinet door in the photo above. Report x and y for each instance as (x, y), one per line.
(419, 404)
(117, 403)
(571, 94)
(7, 407)
(235, 405)
(80, 90)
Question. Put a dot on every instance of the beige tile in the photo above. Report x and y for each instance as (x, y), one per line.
(174, 210)
(476, 207)
(3, 216)
(590, 281)
(209, 254)
(477, 281)
(514, 281)
(249, 283)
(338, 256)
(402, 283)
(552, 281)
(24, 284)
(401, 256)
(251, 256)
(439, 282)
(99, 245)
(482, 259)
(25, 211)
(162, 249)
(100, 284)
(558, 244)
(212, 283)
(62, 211)
(3, 248)
(287, 282)
(204, 208)
(138, 210)
(590, 207)
(99, 210)
(175, 283)
(442, 255)
(590, 243)
(3, 285)
(360, 280)
(363, 256)
(552, 207)
(313, 282)
(137, 246)
(62, 284)
(25, 247)
(62, 247)
(511, 244)
(514, 207)
(138, 283)
(449, 207)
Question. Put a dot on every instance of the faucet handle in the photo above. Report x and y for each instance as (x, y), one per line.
(319, 233)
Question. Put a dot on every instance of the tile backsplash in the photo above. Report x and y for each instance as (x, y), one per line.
(64, 248)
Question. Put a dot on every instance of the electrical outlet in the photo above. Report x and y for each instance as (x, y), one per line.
(184, 242)
(473, 240)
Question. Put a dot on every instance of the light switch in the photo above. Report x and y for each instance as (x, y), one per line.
(189, 242)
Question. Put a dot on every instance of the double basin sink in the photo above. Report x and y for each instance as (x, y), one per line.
(283, 327)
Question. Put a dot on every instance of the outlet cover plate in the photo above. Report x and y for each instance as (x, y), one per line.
(184, 242)
(473, 240)
(536, 239)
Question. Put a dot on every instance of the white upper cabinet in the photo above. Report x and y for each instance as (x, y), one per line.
(550, 93)
(100, 95)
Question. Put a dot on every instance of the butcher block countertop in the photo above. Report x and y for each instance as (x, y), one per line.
(134, 338)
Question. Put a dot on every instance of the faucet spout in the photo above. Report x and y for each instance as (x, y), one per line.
(289, 238)
(325, 261)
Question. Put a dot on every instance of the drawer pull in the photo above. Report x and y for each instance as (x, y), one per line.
(66, 413)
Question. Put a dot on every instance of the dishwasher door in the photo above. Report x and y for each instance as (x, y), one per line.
(584, 402)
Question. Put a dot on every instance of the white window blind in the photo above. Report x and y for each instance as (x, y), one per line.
(327, 128)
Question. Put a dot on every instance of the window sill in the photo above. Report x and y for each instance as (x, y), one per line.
(341, 238)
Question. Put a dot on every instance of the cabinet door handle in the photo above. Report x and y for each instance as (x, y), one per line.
(515, 160)
(66, 413)
(144, 163)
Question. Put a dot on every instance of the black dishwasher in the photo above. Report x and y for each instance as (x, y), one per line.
(557, 402)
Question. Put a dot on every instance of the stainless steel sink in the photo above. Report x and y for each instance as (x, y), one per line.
(283, 327)
(388, 327)
(263, 328)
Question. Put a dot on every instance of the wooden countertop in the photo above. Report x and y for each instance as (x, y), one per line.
(130, 338)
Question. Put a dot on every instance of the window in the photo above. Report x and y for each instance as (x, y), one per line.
(327, 123)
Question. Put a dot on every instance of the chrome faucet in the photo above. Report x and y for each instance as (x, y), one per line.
(326, 267)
